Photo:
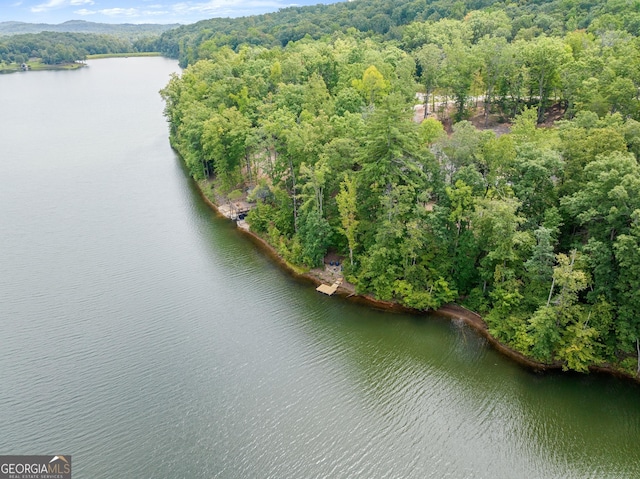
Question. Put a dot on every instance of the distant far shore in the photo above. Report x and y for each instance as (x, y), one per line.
(123, 55)
(38, 65)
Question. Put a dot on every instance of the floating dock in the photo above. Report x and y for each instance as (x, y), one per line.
(329, 290)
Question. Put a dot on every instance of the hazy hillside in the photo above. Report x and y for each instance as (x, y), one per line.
(80, 26)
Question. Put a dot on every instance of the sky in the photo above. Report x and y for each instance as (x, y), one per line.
(138, 11)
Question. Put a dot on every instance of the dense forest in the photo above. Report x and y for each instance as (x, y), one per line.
(538, 229)
(54, 48)
(387, 19)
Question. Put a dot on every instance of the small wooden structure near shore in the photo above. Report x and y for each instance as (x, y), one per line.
(235, 209)
(329, 290)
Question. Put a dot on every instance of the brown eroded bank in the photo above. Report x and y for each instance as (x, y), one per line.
(451, 311)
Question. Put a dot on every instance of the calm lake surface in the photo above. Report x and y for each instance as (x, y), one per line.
(149, 339)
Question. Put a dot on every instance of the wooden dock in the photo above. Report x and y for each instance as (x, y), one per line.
(235, 209)
(329, 290)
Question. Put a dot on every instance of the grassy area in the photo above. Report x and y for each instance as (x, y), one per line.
(117, 55)
(36, 65)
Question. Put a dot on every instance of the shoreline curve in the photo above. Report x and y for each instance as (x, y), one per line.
(451, 311)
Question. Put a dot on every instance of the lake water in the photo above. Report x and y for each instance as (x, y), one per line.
(149, 339)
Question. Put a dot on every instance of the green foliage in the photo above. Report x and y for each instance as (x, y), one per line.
(372, 86)
(348, 100)
(437, 294)
(224, 143)
(379, 272)
(64, 47)
(431, 130)
(532, 179)
(627, 255)
(537, 229)
(315, 236)
(577, 348)
(545, 334)
(543, 57)
(347, 207)
(259, 218)
(510, 328)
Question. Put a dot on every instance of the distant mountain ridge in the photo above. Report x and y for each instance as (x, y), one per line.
(82, 26)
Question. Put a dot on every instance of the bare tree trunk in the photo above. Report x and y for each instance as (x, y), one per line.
(247, 158)
(540, 102)
(553, 283)
(295, 204)
(487, 105)
(426, 105)
(319, 200)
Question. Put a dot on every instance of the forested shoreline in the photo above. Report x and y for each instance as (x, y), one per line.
(57, 48)
(538, 229)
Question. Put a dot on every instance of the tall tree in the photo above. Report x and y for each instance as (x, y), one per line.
(494, 56)
(347, 206)
(459, 66)
(392, 153)
(224, 141)
(429, 58)
(372, 86)
(543, 56)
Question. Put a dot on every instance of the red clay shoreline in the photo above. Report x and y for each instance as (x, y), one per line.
(451, 311)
